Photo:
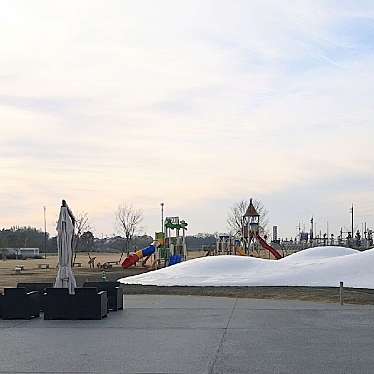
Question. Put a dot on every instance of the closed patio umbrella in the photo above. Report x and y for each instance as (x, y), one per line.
(65, 230)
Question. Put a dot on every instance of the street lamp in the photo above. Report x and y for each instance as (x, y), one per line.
(352, 221)
(162, 218)
(45, 234)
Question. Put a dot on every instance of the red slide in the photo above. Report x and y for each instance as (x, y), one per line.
(267, 246)
(130, 260)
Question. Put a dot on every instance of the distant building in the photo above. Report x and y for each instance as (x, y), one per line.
(275, 233)
(304, 236)
(21, 252)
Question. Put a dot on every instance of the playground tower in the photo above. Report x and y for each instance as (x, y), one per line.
(251, 232)
(250, 226)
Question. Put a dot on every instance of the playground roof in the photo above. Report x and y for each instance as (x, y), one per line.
(251, 210)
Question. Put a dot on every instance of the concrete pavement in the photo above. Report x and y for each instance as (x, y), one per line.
(192, 334)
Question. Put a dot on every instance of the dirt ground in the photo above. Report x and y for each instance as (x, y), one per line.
(316, 294)
(31, 273)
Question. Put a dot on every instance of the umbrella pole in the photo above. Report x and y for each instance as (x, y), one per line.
(73, 250)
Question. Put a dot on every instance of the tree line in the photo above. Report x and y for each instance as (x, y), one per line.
(128, 222)
(31, 237)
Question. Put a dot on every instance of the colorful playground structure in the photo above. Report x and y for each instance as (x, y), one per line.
(174, 249)
(169, 248)
(138, 255)
(172, 241)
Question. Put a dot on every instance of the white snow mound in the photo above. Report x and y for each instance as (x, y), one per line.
(321, 266)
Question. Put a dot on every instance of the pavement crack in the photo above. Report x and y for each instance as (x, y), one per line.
(222, 338)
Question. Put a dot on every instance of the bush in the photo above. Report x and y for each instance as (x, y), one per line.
(13, 256)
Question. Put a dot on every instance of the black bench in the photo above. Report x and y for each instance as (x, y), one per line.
(114, 291)
(87, 303)
(39, 287)
(58, 303)
(17, 303)
(1, 305)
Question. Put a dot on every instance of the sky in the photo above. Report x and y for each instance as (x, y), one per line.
(197, 104)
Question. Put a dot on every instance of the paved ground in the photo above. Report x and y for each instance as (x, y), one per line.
(190, 334)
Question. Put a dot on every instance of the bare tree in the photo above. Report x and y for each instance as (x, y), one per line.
(128, 220)
(237, 211)
(81, 226)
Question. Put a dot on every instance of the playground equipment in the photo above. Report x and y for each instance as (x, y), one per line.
(138, 255)
(173, 248)
(91, 261)
(169, 249)
(251, 232)
(227, 245)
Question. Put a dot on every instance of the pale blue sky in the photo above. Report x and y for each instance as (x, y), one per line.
(194, 103)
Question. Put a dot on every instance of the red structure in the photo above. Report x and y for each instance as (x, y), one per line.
(138, 255)
(267, 246)
(130, 260)
(251, 229)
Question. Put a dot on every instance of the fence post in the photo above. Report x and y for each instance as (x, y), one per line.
(341, 293)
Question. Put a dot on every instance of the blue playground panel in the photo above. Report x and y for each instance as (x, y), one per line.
(149, 250)
(175, 259)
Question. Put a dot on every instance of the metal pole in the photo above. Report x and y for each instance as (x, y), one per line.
(352, 222)
(341, 288)
(45, 234)
(158, 257)
(315, 228)
(162, 217)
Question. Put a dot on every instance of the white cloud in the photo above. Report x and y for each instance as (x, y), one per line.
(187, 102)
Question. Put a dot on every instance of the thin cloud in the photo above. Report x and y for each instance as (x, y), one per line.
(192, 103)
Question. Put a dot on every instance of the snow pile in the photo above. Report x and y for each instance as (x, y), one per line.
(319, 253)
(321, 266)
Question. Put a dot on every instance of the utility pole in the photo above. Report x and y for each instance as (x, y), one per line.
(162, 218)
(45, 234)
(352, 222)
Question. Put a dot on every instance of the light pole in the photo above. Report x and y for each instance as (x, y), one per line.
(45, 234)
(352, 222)
(162, 218)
